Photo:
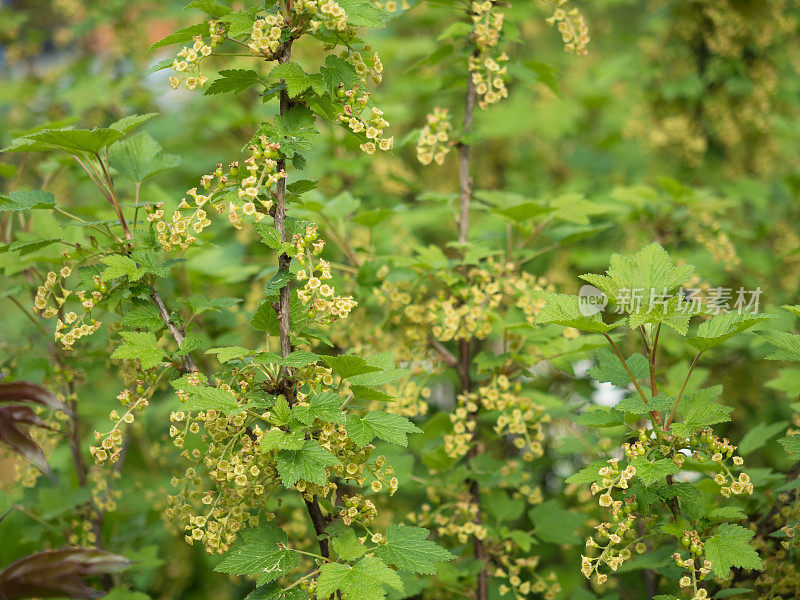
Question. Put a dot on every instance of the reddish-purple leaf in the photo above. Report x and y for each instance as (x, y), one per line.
(58, 573)
(18, 440)
(25, 391)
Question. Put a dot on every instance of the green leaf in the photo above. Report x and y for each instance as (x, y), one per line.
(204, 397)
(792, 445)
(308, 463)
(759, 435)
(184, 34)
(76, 141)
(229, 353)
(199, 304)
(699, 408)
(364, 13)
(233, 80)
(555, 524)
(730, 547)
(295, 130)
(119, 265)
(326, 407)
(27, 200)
(646, 276)
(262, 551)
(635, 405)
(346, 365)
(292, 74)
(366, 580)
(588, 474)
(389, 427)
(337, 71)
(347, 546)
(143, 316)
(651, 472)
(786, 345)
(140, 157)
(278, 439)
(609, 369)
(131, 122)
(211, 7)
(565, 310)
(724, 326)
(409, 549)
(139, 345)
(273, 591)
(728, 513)
(299, 359)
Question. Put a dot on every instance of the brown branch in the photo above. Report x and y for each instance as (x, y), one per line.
(189, 366)
(282, 308)
(464, 177)
(448, 357)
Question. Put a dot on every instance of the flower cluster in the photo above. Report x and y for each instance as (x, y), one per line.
(571, 25)
(323, 12)
(523, 581)
(410, 398)
(485, 65)
(187, 63)
(354, 105)
(434, 140)
(265, 37)
(457, 519)
(251, 198)
(517, 417)
(134, 399)
(70, 326)
(316, 295)
(369, 68)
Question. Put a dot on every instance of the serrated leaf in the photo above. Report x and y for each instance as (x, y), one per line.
(299, 359)
(140, 157)
(77, 141)
(131, 122)
(346, 365)
(278, 439)
(728, 513)
(27, 200)
(724, 326)
(233, 80)
(588, 474)
(205, 397)
(389, 427)
(641, 286)
(184, 34)
(143, 316)
(139, 345)
(409, 549)
(211, 7)
(308, 463)
(634, 404)
(609, 369)
(199, 304)
(346, 545)
(786, 345)
(119, 265)
(261, 551)
(366, 580)
(759, 435)
(699, 409)
(554, 524)
(564, 310)
(651, 472)
(229, 353)
(792, 445)
(326, 407)
(292, 74)
(364, 13)
(730, 547)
